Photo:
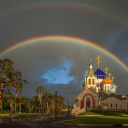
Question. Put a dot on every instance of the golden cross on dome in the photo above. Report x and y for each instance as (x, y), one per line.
(110, 75)
(98, 58)
(113, 78)
(86, 72)
(106, 70)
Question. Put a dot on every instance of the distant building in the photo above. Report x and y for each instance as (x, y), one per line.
(99, 92)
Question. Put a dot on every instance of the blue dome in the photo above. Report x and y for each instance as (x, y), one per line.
(100, 74)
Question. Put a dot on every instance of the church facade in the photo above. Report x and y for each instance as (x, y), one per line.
(99, 92)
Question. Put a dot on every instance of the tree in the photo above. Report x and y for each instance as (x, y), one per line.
(10, 97)
(25, 102)
(6, 73)
(49, 101)
(18, 84)
(83, 84)
(40, 91)
(60, 101)
(35, 102)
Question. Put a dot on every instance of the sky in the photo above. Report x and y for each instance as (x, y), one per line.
(59, 64)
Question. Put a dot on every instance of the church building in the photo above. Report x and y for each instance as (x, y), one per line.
(99, 92)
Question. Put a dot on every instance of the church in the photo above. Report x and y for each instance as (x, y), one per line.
(99, 92)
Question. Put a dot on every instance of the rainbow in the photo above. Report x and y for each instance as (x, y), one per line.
(70, 5)
(41, 38)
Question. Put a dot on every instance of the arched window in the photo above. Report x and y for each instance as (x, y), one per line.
(89, 81)
(93, 81)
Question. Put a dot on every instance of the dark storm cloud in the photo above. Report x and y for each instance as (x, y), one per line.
(117, 41)
(36, 59)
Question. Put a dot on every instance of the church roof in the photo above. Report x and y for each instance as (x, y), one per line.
(100, 74)
(107, 81)
(91, 73)
(114, 86)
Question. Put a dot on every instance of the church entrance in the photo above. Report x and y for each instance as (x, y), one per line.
(87, 103)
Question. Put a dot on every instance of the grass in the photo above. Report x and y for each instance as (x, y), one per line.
(62, 112)
(99, 120)
(105, 113)
(28, 114)
(60, 118)
(4, 113)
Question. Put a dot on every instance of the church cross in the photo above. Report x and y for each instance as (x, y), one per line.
(113, 78)
(98, 58)
(86, 72)
(110, 75)
(106, 70)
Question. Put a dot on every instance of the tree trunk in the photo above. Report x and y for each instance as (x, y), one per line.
(0, 101)
(53, 107)
(1, 105)
(35, 108)
(15, 100)
(29, 108)
(19, 105)
(47, 107)
(1, 97)
(40, 102)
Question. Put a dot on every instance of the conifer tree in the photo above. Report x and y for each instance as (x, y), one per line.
(6, 73)
(40, 91)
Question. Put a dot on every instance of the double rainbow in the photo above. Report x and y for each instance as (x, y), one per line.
(67, 4)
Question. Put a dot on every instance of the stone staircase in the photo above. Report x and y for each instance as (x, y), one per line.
(77, 110)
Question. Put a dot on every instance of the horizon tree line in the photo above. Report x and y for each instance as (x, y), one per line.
(11, 86)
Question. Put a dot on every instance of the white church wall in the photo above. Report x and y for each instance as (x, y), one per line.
(112, 103)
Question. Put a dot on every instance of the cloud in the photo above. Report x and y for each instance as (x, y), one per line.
(59, 75)
(117, 41)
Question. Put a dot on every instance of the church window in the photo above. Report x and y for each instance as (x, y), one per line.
(93, 81)
(89, 81)
(116, 105)
(111, 105)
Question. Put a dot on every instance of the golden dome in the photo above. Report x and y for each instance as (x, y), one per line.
(107, 81)
(90, 64)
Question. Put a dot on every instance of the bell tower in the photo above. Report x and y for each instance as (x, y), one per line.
(90, 80)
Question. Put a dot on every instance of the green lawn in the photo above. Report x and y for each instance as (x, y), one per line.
(4, 113)
(19, 114)
(105, 113)
(28, 114)
(60, 118)
(99, 120)
(62, 112)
